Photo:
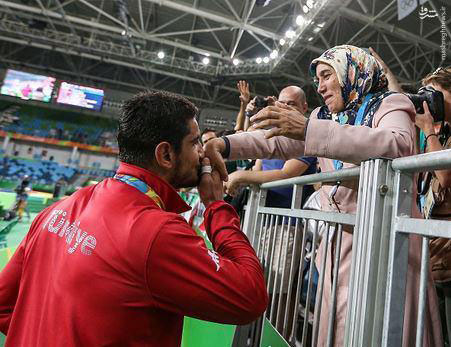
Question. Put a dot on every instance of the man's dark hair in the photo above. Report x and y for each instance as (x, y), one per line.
(149, 118)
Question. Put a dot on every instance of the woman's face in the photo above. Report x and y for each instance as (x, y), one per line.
(329, 87)
(446, 98)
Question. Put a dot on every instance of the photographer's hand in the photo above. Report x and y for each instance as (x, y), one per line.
(250, 108)
(285, 120)
(425, 121)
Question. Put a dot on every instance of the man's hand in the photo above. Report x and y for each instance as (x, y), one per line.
(425, 121)
(235, 182)
(213, 151)
(243, 88)
(284, 120)
(210, 187)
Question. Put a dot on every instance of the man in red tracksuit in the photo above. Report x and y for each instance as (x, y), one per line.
(116, 265)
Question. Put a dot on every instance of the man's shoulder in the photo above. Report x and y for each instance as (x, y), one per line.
(155, 219)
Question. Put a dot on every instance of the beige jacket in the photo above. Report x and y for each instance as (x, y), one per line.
(391, 136)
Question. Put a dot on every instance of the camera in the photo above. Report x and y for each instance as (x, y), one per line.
(260, 102)
(435, 101)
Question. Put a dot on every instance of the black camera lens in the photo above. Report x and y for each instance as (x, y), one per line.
(260, 102)
(434, 99)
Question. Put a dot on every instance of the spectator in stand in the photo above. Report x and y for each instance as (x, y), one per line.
(268, 170)
(207, 135)
(437, 191)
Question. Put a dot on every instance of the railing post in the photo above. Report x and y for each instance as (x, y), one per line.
(257, 198)
(397, 264)
(366, 292)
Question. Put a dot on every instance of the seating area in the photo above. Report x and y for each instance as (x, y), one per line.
(40, 171)
(96, 172)
(67, 126)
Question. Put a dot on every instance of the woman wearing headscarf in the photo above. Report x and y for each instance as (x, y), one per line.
(360, 120)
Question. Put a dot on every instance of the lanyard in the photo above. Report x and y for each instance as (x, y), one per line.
(338, 164)
(142, 187)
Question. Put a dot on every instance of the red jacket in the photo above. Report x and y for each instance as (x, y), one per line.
(108, 267)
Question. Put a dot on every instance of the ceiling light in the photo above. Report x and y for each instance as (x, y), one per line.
(235, 61)
(305, 9)
(207, 54)
(316, 30)
(266, 60)
(310, 3)
(282, 42)
(290, 34)
(258, 60)
(300, 20)
(274, 54)
(206, 61)
(123, 33)
(321, 25)
(160, 54)
(310, 38)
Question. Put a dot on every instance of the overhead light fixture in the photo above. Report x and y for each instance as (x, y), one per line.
(310, 3)
(207, 54)
(282, 42)
(259, 60)
(290, 34)
(321, 25)
(305, 8)
(235, 61)
(310, 38)
(274, 54)
(300, 20)
(205, 61)
(266, 60)
(123, 33)
(160, 54)
(317, 30)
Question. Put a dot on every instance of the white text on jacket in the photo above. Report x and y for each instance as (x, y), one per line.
(71, 232)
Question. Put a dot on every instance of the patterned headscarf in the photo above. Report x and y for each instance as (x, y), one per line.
(358, 73)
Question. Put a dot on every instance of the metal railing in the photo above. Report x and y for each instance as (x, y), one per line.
(287, 242)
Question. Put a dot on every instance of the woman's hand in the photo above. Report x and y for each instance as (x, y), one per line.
(284, 121)
(425, 121)
(213, 151)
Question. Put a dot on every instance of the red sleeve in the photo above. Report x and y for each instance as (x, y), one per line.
(225, 285)
(10, 276)
(9, 287)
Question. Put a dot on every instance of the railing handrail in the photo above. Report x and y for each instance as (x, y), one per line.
(415, 163)
(332, 176)
(424, 162)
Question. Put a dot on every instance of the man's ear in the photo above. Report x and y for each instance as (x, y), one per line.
(165, 156)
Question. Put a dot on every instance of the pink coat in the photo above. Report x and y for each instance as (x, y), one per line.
(392, 135)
